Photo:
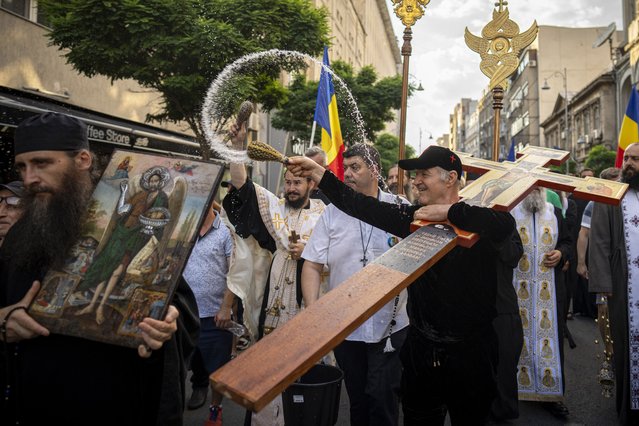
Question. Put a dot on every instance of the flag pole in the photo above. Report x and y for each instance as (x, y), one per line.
(408, 14)
(310, 144)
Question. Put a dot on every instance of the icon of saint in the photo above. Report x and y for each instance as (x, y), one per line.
(544, 291)
(523, 233)
(548, 380)
(523, 377)
(546, 350)
(522, 293)
(546, 238)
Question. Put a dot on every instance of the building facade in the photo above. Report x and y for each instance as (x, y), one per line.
(592, 116)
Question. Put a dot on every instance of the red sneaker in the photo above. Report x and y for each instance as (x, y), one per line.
(215, 416)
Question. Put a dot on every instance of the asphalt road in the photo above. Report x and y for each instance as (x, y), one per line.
(583, 394)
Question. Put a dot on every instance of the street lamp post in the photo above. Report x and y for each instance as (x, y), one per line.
(564, 76)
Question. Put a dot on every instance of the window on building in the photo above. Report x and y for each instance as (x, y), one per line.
(596, 116)
(579, 125)
(19, 7)
(587, 127)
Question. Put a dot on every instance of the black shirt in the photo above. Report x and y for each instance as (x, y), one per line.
(455, 299)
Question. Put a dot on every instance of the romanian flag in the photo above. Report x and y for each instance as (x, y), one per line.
(629, 132)
(327, 118)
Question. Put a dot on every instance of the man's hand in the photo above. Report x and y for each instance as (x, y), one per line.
(582, 270)
(296, 249)
(433, 213)
(223, 317)
(238, 135)
(20, 324)
(305, 167)
(552, 258)
(156, 332)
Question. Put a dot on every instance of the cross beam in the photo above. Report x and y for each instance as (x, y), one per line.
(265, 369)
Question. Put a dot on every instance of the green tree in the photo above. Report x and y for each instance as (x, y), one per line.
(388, 147)
(376, 101)
(178, 47)
(600, 158)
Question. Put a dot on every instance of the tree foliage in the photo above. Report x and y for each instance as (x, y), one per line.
(600, 158)
(388, 147)
(376, 101)
(178, 47)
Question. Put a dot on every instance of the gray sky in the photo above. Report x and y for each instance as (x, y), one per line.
(449, 70)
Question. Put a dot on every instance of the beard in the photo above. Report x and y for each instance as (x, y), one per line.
(631, 177)
(299, 202)
(534, 202)
(50, 225)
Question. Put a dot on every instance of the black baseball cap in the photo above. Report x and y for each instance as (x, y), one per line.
(434, 156)
(16, 188)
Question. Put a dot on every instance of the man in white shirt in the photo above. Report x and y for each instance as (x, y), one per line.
(370, 355)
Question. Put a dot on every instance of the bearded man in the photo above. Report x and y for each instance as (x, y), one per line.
(541, 291)
(68, 379)
(613, 270)
(282, 226)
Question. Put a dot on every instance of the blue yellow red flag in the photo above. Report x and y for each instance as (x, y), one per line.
(327, 118)
(629, 132)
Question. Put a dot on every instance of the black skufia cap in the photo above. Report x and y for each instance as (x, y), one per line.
(50, 131)
(434, 156)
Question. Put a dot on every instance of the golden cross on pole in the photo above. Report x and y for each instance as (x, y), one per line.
(499, 49)
(501, 5)
(408, 11)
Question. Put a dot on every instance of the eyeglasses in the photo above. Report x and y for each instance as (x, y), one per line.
(630, 157)
(11, 200)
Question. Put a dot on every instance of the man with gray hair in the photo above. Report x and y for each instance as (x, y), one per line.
(10, 206)
(317, 154)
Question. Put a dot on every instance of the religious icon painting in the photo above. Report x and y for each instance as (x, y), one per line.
(140, 226)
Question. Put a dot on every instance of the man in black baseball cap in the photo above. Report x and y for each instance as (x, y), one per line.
(449, 355)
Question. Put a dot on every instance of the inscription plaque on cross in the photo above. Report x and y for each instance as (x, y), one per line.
(264, 370)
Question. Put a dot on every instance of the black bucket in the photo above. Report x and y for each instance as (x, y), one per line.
(313, 400)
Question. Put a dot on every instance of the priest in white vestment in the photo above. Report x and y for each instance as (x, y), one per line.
(539, 283)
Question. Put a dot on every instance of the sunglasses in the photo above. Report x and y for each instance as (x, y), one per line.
(11, 200)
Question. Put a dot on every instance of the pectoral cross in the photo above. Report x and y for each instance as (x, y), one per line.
(293, 238)
(364, 260)
(267, 368)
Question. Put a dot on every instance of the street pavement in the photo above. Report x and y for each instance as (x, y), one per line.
(583, 394)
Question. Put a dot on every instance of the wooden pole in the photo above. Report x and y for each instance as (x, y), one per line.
(406, 52)
(498, 104)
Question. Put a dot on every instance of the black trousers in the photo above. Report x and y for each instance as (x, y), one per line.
(511, 340)
(372, 378)
(455, 378)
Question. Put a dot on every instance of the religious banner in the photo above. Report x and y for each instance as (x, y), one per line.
(140, 227)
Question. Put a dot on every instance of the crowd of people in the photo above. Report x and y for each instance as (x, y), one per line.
(481, 330)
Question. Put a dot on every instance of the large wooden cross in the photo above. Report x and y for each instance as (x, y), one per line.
(268, 367)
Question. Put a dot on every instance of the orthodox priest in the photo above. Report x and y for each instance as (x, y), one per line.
(540, 287)
(613, 269)
(281, 226)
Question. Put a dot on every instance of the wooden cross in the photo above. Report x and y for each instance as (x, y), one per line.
(268, 367)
